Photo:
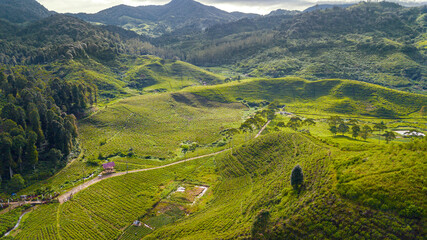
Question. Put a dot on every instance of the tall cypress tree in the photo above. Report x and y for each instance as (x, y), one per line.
(297, 177)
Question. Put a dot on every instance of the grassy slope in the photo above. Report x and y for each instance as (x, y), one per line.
(153, 73)
(357, 188)
(333, 95)
(255, 176)
(156, 125)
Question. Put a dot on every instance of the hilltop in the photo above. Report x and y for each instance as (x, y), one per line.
(161, 19)
(20, 11)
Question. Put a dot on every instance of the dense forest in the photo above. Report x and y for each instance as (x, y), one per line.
(38, 121)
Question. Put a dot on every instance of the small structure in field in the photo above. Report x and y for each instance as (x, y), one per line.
(137, 223)
(108, 167)
(181, 189)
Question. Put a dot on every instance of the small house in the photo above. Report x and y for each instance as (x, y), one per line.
(137, 223)
(108, 167)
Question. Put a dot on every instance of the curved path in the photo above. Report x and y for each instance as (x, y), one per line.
(67, 195)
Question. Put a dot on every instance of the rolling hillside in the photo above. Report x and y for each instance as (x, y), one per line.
(334, 96)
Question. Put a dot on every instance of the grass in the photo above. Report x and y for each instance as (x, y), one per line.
(176, 118)
(353, 188)
(9, 220)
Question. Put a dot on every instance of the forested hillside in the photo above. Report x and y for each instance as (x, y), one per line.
(180, 15)
(381, 43)
(20, 11)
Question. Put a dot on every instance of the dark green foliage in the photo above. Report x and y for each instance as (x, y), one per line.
(260, 225)
(355, 131)
(32, 125)
(342, 128)
(294, 123)
(297, 177)
(389, 136)
(16, 183)
(365, 131)
(19, 11)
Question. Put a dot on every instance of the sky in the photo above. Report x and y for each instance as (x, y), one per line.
(248, 6)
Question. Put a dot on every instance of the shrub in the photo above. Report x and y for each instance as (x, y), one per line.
(411, 211)
(260, 224)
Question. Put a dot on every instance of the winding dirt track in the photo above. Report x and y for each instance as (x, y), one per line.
(65, 196)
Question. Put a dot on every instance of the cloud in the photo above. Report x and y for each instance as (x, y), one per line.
(254, 6)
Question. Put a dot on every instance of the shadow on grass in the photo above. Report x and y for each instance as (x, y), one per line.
(348, 138)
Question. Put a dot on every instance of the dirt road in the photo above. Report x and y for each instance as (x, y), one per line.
(262, 129)
(66, 196)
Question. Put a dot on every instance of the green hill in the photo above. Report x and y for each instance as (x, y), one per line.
(20, 11)
(333, 96)
(156, 20)
(379, 43)
(250, 196)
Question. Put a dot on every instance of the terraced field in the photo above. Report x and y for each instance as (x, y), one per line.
(154, 126)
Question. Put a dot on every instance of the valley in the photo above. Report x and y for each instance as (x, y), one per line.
(183, 121)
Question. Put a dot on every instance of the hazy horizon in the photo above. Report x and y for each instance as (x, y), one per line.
(247, 6)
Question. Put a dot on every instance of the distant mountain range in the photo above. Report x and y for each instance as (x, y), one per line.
(327, 6)
(160, 19)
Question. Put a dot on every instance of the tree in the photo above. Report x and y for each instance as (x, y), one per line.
(343, 128)
(389, 136)
(380, 126)
(366, 130)
(334, 120)
(281, 124)
(353, 121)
(54, 155)
(6, 153)
(297, 177)
(294, 123)
(355, 131)
(31, 154)
(18, 145)
(16, 183)
(333, 129)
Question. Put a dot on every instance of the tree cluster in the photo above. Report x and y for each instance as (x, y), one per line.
(38, 120)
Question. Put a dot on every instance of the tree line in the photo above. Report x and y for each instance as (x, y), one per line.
(38, 121)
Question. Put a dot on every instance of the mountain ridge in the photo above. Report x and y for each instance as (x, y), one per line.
(20, 11)
(156, 20)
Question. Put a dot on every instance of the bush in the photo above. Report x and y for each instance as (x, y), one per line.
(260, 224)
(411, 211)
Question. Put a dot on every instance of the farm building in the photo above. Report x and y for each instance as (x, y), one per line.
(108, 167)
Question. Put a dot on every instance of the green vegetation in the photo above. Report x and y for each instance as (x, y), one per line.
(9, 219)
(380, 43)
(178, 118)
(311, 155)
